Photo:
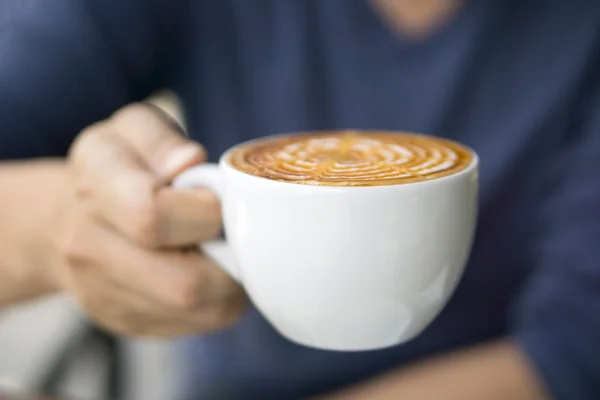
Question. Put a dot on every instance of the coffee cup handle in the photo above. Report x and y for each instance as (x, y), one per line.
(209, 176)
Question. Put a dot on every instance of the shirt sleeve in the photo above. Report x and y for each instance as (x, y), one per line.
(65, 64)
(558, 317)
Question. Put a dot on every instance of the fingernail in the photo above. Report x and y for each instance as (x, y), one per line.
(181, 158)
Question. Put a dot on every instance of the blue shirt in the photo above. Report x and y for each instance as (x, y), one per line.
(518, 81)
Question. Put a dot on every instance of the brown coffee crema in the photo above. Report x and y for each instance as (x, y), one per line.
(351, 158)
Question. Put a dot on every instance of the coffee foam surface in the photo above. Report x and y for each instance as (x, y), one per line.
(351, 158)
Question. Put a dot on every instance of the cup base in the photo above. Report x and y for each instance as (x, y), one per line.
(345, 345)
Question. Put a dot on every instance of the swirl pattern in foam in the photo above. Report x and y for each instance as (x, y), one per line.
(351, 158)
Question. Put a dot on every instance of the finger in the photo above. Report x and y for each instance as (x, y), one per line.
(165, 150)
(153, 320)
(125, 193)
(175, 279)
(126, 312)
(208, 319)
(119, 187)
(110, 305)
(190, 216)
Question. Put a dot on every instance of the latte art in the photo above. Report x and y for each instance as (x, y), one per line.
(351, 158)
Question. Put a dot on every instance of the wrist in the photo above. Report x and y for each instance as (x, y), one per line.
(53, 185)
(29, 261)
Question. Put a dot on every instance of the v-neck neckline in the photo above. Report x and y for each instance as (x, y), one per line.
(400, 41)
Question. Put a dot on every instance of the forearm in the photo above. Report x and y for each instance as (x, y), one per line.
(29, 192)
(495, 371)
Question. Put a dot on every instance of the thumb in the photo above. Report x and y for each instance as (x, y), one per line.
(157, 140)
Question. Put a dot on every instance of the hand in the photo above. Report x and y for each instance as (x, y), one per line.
(127, 240)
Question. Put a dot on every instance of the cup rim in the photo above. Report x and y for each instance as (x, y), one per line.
(225, 164)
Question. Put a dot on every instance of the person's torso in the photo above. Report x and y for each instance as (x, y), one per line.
(501, 77)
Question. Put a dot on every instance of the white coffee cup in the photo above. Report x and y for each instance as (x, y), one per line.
(343, 268)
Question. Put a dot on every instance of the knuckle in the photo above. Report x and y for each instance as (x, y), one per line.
(112, 315)
(85, 159)
(212, 209)
(214, 229)
(187, 295)
(225, 314)
(147, 223)
(119, 319)
(229, 310)
(73, 247)
(213, 206)
(138, 117)
(130, 113)
(86, 141)
(120, 323)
